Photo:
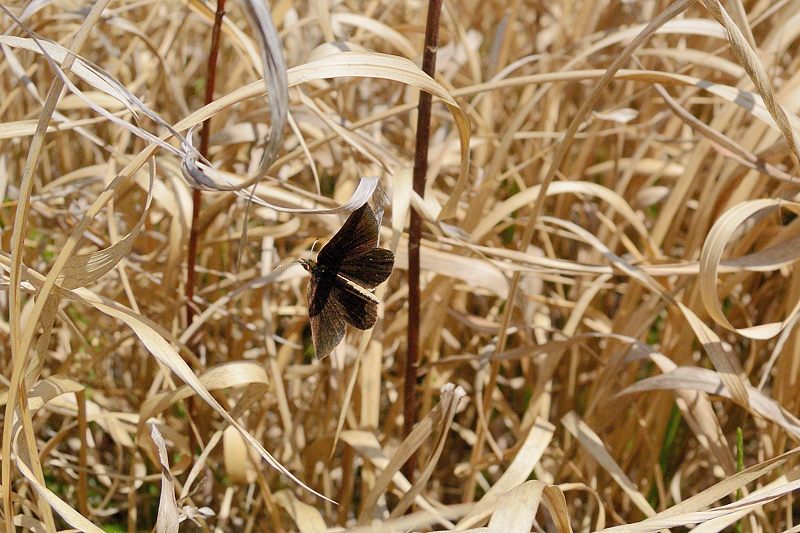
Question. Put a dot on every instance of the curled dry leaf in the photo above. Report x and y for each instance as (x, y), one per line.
(168, 514)
(718, 237)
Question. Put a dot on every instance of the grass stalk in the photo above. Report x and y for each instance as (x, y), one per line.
(415, 229)
(205, 133)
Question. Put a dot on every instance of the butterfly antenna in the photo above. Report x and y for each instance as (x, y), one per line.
(314, 244)
(284, 266)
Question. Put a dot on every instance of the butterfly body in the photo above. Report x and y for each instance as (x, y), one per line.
(342, 277)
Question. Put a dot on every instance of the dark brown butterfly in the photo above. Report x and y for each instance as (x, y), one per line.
(346, 270)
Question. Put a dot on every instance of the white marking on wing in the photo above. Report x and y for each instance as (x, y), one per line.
(355, 288)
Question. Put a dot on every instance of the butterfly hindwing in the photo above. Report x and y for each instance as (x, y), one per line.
(358, 305)
(326, 316)
(358, 235)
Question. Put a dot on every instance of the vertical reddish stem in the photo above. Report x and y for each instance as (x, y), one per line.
(415, 230)
(205, 132)
(197, 198)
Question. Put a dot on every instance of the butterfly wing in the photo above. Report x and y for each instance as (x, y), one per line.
(326, 316)
(369, 269)
(352, 264)
(357, 236)
(359, 308)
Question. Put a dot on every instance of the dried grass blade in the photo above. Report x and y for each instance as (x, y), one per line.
(451, 399)
(516, 512)
(70, 515)
(307, 518)
(40, 396)
(368, 447)
(80, 270)
(200, 462)
(752, 64)
(723, 359)
(19, 341)
(718, 237)
(438, 419)
(146, 331)
(696, 408)
(380, 30)
(529, 454)
(710, 382)
(724, 144)
(374, 65)
(274, 72)
(595, 447)
(688, 511)
(168, 518)
(225, 376)
(524, 198)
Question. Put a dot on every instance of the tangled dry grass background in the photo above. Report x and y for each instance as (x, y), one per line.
(609, 301)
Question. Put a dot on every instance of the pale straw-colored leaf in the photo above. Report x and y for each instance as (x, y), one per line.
(225, 376)
(695, 406)
(594, 446)
(306, 518)
(690, 511)
(200, 463)
(438, 420)
(274, 74)
(748, 58)
(168, 518)
(450, 402)
(710, 382)
(516, 510)
(379, 29)
(620, 116)
(70, 515)
(529, 454)
(169, 357)
(237, 457)
(724, 229)
(370, 449)
(519, 200)
(723, 358)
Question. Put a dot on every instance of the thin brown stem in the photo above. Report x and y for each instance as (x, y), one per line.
(205, 133)
(197, 200)
(415, 230)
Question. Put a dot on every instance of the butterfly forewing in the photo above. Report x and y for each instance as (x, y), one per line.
(370, 269)
(358, 235)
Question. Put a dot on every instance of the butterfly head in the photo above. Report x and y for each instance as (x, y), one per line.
(308, 264)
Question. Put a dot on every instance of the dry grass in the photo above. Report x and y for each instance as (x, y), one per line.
(609, 288)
